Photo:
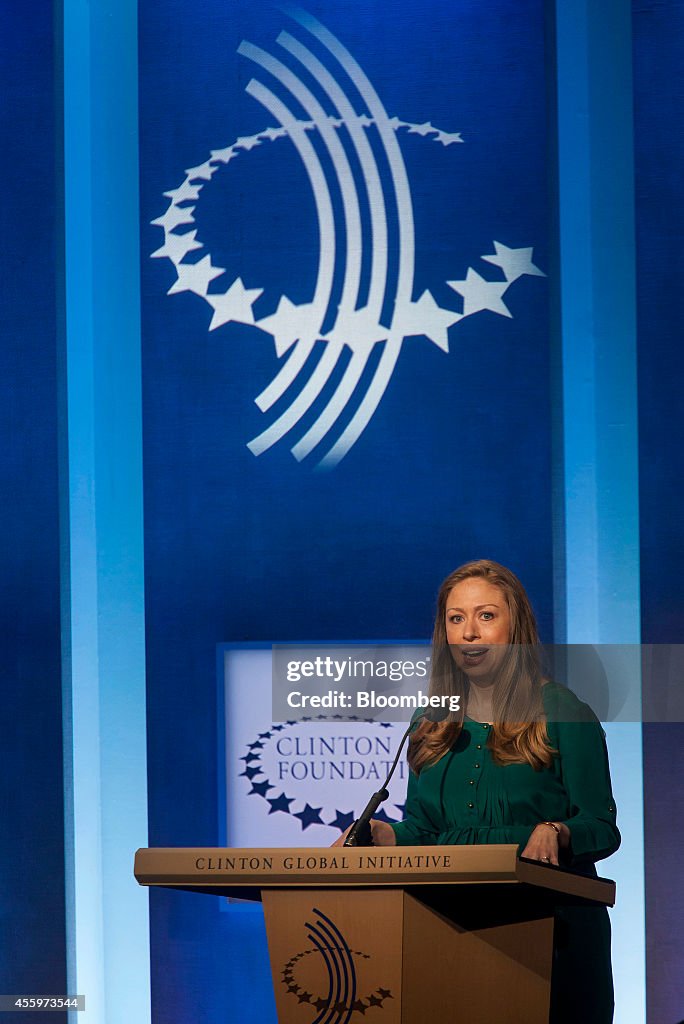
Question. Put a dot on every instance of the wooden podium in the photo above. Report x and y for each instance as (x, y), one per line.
(394, 935)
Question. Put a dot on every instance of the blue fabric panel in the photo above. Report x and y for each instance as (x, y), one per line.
(32, 935)
(659, 163)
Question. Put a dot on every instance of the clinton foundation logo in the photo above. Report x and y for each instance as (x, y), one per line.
(335, 348)
(320, 773)
(331, 981)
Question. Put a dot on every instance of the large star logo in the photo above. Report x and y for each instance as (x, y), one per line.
(372, 323)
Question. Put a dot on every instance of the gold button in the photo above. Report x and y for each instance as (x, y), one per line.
(471, 806)
(476, 766)
(471, 782)
(479, 746)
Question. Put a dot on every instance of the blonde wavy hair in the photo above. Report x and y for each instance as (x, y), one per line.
(519, 732)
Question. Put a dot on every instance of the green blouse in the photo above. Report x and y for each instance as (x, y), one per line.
(466, 798)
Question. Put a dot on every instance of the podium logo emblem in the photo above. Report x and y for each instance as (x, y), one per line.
(324, 976)
(337, 351)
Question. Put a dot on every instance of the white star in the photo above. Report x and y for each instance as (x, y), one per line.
(178, 246)
(248, 141)
(195, 277)
(480, 294)
(290, 323)
(175, 216)
(357, 329)
(514, 262)
(184, 191)
(426, 317)
(447, 138)
(364, 120)
(272, 133)
(422, 129)
(235, 304)
(204, 170)
(224, 155)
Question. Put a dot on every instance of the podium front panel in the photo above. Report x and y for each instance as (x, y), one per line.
(335, 954)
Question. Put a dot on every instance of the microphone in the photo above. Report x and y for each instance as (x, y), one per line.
(360, 832)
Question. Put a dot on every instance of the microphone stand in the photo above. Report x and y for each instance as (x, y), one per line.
(360, 833)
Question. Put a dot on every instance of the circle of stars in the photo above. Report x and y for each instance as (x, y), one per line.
(319, 1003)
(301, 325)
(307, 814)
(423, 316)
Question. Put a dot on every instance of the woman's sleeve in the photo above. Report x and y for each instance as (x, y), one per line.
(416, 829)
(586, 779)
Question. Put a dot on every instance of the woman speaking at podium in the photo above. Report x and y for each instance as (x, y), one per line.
(524, 761)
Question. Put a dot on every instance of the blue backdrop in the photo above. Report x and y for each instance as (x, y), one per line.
(456, 437)
(251, 541)
(454, 463)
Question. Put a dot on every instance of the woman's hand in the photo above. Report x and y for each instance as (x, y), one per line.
(381, 831)
(545, 842)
